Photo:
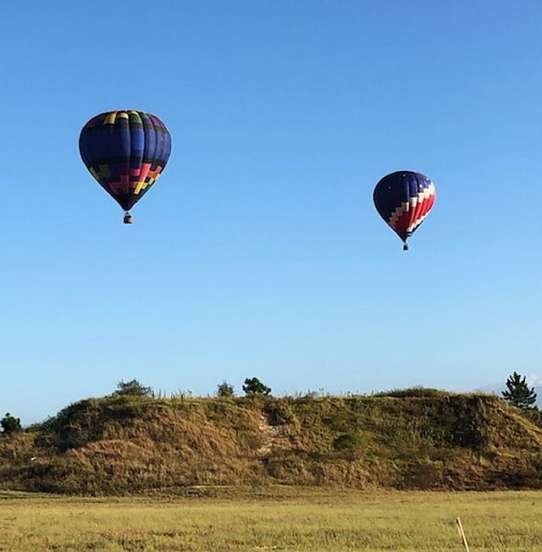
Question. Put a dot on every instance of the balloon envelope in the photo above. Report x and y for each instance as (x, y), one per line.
(403, 199)
(125, 151)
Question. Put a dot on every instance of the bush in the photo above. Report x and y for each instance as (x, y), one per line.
(133, 388)
(70, 437)
(10, 424)
(418, 392)
(253, 386)
(279, 413)
(224, 389)
(347, 441)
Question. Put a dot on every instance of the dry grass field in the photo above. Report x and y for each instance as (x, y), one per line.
(300, 519)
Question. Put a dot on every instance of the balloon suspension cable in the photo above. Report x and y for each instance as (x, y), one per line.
(128, 219)
(405, 246)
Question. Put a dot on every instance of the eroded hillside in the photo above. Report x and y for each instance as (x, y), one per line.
(120, 445)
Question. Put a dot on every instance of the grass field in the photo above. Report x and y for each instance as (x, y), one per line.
(278, 519)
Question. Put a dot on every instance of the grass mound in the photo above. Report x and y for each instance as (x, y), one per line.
(406, 439)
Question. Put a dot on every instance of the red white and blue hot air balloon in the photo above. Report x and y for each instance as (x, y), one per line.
(403, 199)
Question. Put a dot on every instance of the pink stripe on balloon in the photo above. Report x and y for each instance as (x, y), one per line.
(144, 171)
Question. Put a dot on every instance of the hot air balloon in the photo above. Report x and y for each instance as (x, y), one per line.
(125, 151)
(403, 199)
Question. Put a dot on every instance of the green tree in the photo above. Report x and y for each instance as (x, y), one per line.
(253, 386)
(133, 388)
(224, 389)
(519, 394)
(10, 424)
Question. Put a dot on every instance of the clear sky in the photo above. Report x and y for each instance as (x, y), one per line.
(259, 252)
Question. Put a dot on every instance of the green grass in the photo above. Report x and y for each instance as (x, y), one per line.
(279, 518)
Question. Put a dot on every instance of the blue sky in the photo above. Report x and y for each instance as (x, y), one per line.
(259, 251)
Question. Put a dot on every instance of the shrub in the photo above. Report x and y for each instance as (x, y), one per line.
(133, 388)
(253, 386)
(10, 424)
(419, 392)
(224, 389)
(279, 413)
(347, 441)
(70, 437)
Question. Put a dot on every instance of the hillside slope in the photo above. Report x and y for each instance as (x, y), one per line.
(120, 445)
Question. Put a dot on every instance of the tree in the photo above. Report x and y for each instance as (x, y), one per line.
(132, 387)
(10, 424)
(253, 386)
(224, 389)
(519, 394)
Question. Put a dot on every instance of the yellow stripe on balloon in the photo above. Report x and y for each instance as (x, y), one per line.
(110, 119)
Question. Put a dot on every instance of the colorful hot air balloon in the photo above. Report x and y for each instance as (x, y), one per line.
(403, 199)
(125, 151)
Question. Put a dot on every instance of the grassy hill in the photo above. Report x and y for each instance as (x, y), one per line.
(418, 439)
